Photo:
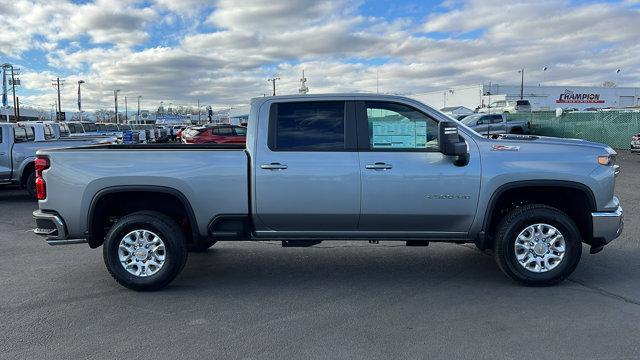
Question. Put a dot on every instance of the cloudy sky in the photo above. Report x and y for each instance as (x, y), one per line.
(222, 52)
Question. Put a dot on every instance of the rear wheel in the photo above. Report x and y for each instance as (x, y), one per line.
(537, 245)
(30, 185)
(145, 251)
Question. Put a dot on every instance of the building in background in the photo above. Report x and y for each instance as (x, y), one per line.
(540, 97)
(457, 110)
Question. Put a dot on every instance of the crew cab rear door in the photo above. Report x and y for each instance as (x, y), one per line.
(307, 177)
(409, 188)
(5, 154)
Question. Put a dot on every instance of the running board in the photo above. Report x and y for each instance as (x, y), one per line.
(66, 242)
(300, 243)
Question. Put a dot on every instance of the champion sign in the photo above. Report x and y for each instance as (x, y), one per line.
(569, 97)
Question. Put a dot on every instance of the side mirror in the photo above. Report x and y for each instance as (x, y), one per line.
(450, 142)
(480, 122)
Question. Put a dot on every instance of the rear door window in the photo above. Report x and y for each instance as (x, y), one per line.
(240, 131)
(308, 126)
(496, 119)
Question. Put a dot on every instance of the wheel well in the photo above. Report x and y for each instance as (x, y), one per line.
(108, 208)
(28, 169)
(517, 130)
(575, 202)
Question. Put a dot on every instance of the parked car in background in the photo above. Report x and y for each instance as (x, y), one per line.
(635, 144)
(492, 124)
(340, 167)
(18, 146)
(216, 134)
(507, 107)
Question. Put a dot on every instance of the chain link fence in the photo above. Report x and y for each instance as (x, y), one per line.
(613, 128)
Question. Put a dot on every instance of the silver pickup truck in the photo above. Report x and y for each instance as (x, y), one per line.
(18, 146)
(334, 167)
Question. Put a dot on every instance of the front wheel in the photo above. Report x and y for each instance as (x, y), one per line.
(145, 251)
(537, 245)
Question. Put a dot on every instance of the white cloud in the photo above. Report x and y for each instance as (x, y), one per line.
(243, 43)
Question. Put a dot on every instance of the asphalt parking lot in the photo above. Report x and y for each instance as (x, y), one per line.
(336, 300)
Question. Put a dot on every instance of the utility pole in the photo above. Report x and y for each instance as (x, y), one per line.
(115, 100)
(4, 91)
(273, 82)
(521, 83)
(57, 83)
(126, 110)
(17, 109)
(80, 99)
(198, 111)
(16, 115)
(138, 119)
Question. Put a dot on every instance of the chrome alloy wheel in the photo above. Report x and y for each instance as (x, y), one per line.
(141, 253)
(540, 248)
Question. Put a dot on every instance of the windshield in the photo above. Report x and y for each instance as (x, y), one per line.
(471, 119)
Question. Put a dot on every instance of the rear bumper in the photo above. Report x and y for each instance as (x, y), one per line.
(52, 227)
(607, 226)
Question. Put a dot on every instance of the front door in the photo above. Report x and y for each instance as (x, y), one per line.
(307, 180)
(408, 186)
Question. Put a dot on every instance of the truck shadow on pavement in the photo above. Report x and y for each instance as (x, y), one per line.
(347, 266)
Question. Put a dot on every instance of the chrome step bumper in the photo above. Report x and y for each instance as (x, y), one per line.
(52, 227)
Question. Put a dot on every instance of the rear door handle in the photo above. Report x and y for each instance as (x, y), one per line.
(273, 166)
(378, 166)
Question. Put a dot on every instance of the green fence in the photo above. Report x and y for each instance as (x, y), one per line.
(610, 127)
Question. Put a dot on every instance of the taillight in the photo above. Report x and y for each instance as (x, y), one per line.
(41, 164)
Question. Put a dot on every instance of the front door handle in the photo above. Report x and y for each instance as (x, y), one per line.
(378, 166)
(273, 166)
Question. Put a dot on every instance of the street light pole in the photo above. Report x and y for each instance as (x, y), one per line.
(138, 118)
(521, 83)
(273, 82)
(115, 99)
(80, 99)
(126, 110)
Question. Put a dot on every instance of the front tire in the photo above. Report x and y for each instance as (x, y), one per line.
(537, 245)
(145, 251)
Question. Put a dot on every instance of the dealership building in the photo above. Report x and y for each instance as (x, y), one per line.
(540, 97)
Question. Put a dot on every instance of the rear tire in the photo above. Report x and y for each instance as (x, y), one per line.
(145, 251)
(537, 245)
(30, 185)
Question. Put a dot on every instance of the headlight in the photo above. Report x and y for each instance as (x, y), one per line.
(607, 160)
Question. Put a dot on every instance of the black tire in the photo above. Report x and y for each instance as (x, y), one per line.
(515, 222)
(30, 185)
(201, 245)
(175, 250)
(517, 131)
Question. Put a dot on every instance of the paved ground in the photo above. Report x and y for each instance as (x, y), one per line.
(338, 300)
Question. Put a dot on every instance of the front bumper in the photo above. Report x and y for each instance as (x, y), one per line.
(607, 226)
(51, 226)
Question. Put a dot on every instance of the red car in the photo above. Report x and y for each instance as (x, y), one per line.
(217, 134)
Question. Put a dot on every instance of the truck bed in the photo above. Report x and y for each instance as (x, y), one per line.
(213, 177)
